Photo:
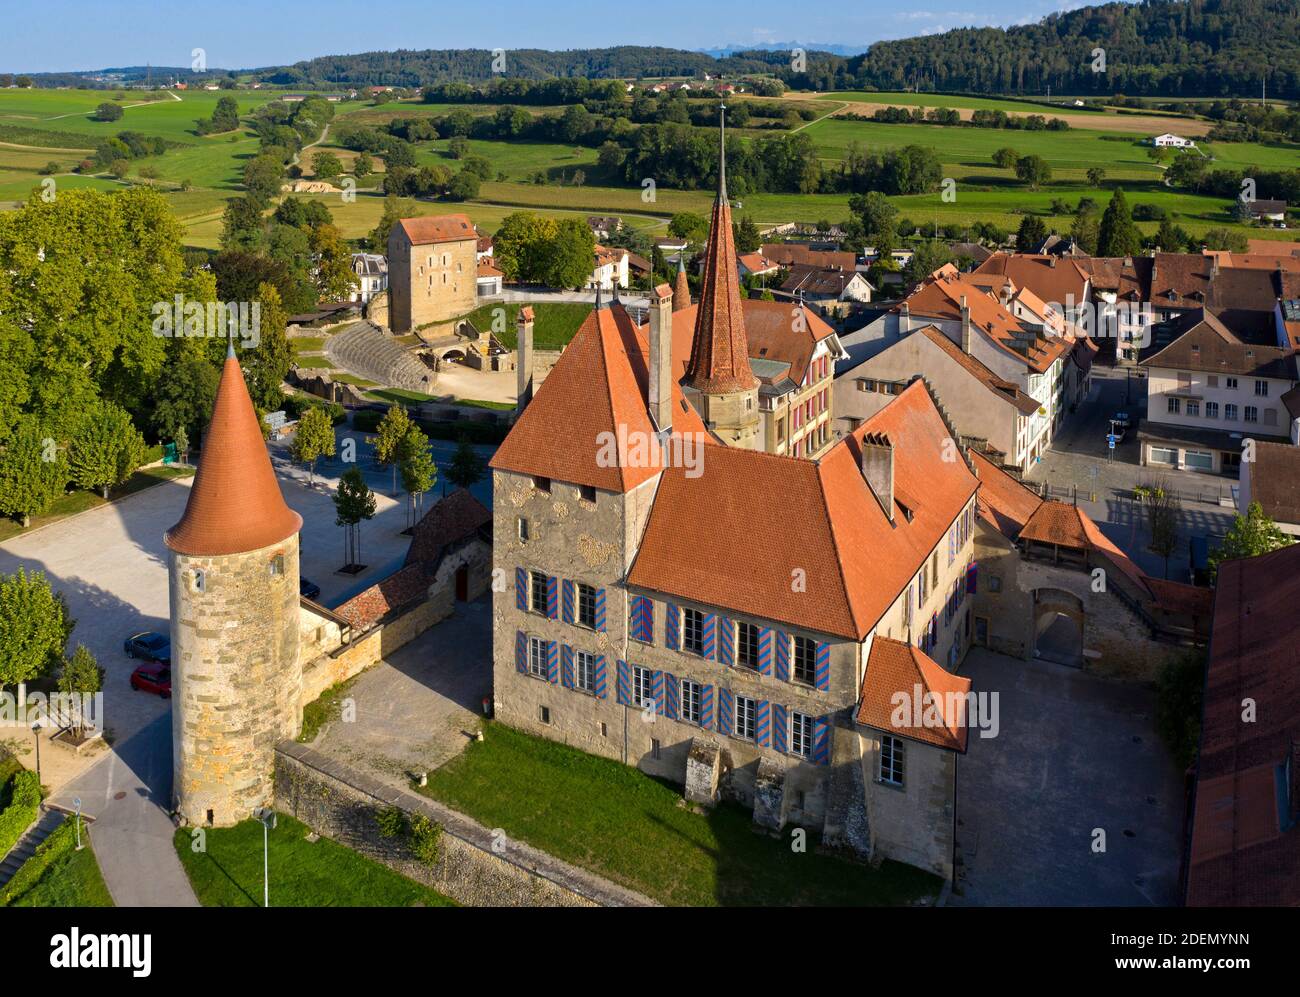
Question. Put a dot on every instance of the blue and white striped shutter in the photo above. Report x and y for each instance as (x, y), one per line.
(672, 693)
(762, 723)
(657, 690)
(600, 609)
(821, 753)
(521, 588)
(552, 597)
(706, 707)
(724, 710)
(710, 635)
(598, 676)
(552, 661)
(726, 641)
(822, 666)
(566, 666)
(521, 651)
(765, 650)
(782, 657)
(779, 722)
(568, 600)
(673, 627)
(623, 683)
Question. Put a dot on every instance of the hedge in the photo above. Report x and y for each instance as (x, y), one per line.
(22, 810)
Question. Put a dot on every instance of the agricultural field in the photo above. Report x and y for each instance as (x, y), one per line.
(517, 160)
(899, 99)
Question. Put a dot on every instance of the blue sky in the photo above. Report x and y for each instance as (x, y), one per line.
(94, 34)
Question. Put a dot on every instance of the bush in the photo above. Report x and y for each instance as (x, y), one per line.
(296, 404)
(23, 807)
(391, 822)
(424, 839)
(1180, 688)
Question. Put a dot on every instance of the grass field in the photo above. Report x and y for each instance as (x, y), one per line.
(619, 822)
(58, 875)
(554, 323)
(304, 873)
(896, 98)
(518, 160)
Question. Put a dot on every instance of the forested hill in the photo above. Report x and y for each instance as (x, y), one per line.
(420, 68)
(1158, 47)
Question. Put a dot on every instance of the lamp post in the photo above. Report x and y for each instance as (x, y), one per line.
(267, 816)
(36, 736)
(77, 803)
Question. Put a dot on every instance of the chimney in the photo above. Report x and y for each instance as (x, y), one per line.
(878, 469)
(904, 319)
(1006, 294)
(524, 359)
(965, 325)
(661, 357)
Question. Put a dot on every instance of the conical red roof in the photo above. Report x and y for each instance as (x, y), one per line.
(682, 290)
(720, 352)
(235, 503)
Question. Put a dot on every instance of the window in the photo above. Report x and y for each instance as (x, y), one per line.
(1164, 455)
(1252, 413)
(934, 570)
(537, 657)
(277, 565)
(1173, 404)
(584, 671)
(747, 645)
(1261, 389)
(801, 734)
(542, 484)
(693, 631)
(537, 591)
(1200, 460)
(744, 727)
(1230, 383)
(891, 760)
(1230, 412)
(1193, 408)
(805, 659)
(1184, 380)
(587, 493)
(196, 581)
(995, 583)
(641, 687)
(586, 606)
(1211, 410)
(1212, 380)
(654, 747)
(1270, 417)
(523, 530)
(544, 714)
(690, 710)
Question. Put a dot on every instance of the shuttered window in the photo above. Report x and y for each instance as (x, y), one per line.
(801, 734)
(747, 645)
(643, 687)
(584, 671)
(805, 660)
(537, 657)
(586, 606)
(693, 631)
(744, 726)
(537, 591)
(690, 703)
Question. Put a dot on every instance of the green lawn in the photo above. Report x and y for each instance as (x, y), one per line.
(518, 160)
(58, 875)
(398, 395)
(897, 99)
(617, 821)
(554, 322)
(315, 363)
(322, 873)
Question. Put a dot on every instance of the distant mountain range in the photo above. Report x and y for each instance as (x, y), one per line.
(1157, 47)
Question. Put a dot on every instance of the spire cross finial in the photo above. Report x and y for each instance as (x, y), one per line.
(230, 338)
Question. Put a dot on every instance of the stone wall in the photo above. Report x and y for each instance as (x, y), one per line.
(377, 308)
(475, 866)
(912, 823)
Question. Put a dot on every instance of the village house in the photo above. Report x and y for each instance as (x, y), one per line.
(611, 268)
(646, 617)
(372, 276)
(1208, 391)
(826, 287)
(432, 270)
(1171, 141)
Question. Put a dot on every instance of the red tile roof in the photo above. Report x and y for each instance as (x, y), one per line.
(681, 291)
(438, 228)
(1003, 502)
(855, 562)
(896, 669)
(796, 253)
(720, 350)
(1006, 391)
(1239, 854)
(599, 385)
(452, 519)
(403, 587)
(1052, 278)
(235, 504)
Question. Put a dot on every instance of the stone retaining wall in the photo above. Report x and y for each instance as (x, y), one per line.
(475, 866)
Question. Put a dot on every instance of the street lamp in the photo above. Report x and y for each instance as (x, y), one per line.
(267, 816)
(36, 736)
(77, 803)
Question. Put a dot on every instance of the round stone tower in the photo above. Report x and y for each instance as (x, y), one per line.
(236, 678)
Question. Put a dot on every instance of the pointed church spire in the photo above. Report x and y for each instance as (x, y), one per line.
(682, 288)
(719, 361)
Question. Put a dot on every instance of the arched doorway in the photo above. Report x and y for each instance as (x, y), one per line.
(1058, 626)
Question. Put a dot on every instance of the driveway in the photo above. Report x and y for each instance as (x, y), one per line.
(1073, 754)
(418, 708)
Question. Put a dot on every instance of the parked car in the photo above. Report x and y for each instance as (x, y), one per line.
(153, 678)
(150, 646)
(307, 588)
(1122, 420)
(1116, 431)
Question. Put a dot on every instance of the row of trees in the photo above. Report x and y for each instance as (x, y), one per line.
(538, 249)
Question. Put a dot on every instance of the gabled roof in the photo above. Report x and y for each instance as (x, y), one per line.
(1052, 278)
(1275, 481)
(1003, 390)
(1245, 840)
(1206, 344)
(235, 504)
(438, 228)
(452, 519)
(1003, 502)
(796, 253)
(1180, 280)
(826, 524)
(599, 385)
(895, 668)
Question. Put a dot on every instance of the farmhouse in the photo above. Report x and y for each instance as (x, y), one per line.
(1171, 141)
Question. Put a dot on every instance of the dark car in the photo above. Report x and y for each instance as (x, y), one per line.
(153, 678)
(150, 646)
(307, 588)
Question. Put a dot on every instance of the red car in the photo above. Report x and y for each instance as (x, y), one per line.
(153, 677)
